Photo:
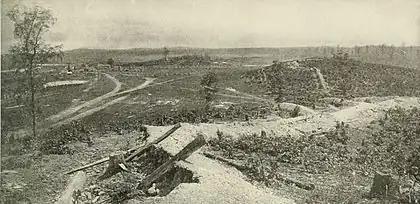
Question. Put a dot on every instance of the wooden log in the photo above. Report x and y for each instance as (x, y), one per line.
(298, 184)
(161, 138)
(238, 166)
(193, 146)
(73, 189)
(227, 161)
(88, 165)
(138, 151)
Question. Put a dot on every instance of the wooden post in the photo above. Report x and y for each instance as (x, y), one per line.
(167, 166)
(72, 190)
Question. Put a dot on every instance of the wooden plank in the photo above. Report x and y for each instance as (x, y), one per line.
(193, 146)
(138, 151)
(75, 185)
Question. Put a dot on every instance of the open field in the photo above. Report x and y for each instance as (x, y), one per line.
(248, 121)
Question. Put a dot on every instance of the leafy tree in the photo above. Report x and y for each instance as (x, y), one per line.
(111, 62)
(30, 25)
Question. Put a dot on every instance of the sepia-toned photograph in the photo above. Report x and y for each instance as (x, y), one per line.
(210, 102)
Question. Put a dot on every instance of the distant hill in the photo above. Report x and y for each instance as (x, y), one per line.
(346, 78)
(398, 56)
(407, 56)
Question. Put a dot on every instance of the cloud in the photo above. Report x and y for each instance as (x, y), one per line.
(234, 23)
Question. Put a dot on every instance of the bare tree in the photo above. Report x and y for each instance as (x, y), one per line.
(30, 50)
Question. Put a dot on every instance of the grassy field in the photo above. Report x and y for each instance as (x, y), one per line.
(16, 97)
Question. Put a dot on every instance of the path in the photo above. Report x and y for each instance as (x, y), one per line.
(103, 97)
(322, 81)
(141, 86)
(88, 112)
(57, 117)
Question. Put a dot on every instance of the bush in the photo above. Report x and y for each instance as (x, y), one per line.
(55, 140)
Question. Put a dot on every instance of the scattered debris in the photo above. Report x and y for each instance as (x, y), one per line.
(136, 151)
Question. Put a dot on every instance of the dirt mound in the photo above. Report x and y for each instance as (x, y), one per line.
(218, 184)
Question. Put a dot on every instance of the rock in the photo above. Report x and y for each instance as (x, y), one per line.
(153, 190)
(88, 195)
(95, 199)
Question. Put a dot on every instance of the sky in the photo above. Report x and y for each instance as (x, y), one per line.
(118, 24)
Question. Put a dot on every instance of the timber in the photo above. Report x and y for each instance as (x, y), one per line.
(227, 161)
(138, 151)
(193, 146)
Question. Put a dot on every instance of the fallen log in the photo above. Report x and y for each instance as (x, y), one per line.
(193, 146)
(73, 189)
(138, 151)
(298, 184)
(227, 161)
(164, 136)
(238, 166)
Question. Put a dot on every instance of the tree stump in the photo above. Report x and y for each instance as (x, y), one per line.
(115, 165)
(384, 186)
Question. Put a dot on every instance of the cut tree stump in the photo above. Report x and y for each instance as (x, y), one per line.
(73, 189)
(193, 146)
(116, 164)
(384, 186)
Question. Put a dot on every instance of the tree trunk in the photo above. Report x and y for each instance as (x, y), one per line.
(33, 105)
(384, 186)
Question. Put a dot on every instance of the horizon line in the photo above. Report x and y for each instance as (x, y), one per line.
(256, 47)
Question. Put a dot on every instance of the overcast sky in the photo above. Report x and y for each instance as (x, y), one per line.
(226, 23)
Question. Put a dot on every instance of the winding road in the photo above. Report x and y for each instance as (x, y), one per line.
(59, 116)
(59, 119)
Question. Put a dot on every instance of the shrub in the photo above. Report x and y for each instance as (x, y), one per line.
(55, 140)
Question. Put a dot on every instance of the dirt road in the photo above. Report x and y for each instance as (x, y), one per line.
(96, 101)
(88, 112)
(63, 114)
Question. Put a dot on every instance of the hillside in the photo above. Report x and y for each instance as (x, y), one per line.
(346, 79)
(398, 56)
